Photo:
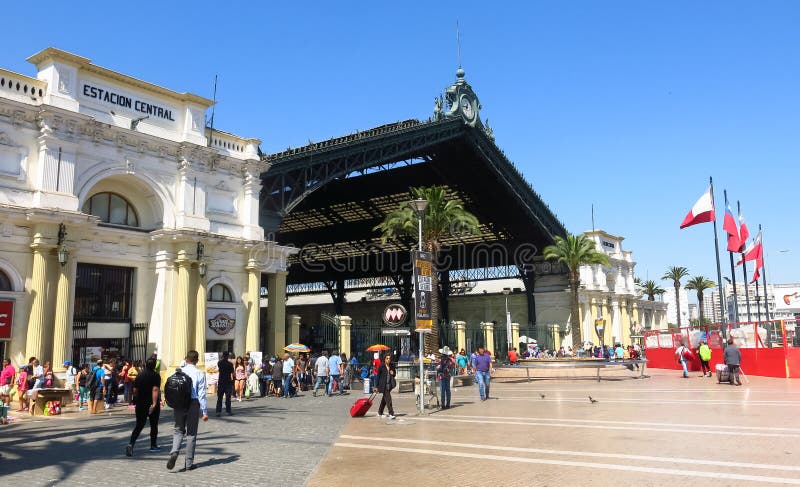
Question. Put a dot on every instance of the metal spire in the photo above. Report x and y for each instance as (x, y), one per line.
(458, 43)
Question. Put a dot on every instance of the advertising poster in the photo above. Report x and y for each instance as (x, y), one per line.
(221, 323)
(256, 358)
(212, 372)
(423, 287)
(6, 316)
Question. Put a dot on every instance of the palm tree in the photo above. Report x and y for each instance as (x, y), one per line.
(700, 284)
(575, 251)
(651, 289)
(675, 274)
(443, 217)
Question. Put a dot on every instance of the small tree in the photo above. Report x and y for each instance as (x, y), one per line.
(575, 251)
(442, 217)
(651, 289)
(700, 284)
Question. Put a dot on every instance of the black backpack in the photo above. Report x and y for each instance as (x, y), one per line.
(178, 390)
(91, 378)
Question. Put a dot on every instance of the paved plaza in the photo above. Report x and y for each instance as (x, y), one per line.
(662, 430)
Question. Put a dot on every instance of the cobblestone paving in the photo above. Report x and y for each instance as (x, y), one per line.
(279, 441)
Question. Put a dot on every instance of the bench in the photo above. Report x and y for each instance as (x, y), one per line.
(598, 364)
(405, 385)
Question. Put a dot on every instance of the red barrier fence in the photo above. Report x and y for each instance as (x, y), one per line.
(769, 348)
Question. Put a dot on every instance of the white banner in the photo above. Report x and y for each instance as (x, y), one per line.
(212, 371)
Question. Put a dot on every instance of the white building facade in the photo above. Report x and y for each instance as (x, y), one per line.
(128, 227)
(608, 293)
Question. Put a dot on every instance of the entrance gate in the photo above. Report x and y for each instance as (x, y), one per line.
(366, 333)
(325, 334)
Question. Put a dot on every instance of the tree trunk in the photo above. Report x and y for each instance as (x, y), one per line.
(678, 301)
(700, 307)
(574, 320)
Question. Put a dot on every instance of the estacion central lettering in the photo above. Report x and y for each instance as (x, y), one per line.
(127, 102)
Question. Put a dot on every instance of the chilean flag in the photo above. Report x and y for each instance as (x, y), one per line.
(753, 251)
(729, 225)
(701, 212)
(743, 233)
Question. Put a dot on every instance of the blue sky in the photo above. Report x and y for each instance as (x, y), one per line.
(626, 105)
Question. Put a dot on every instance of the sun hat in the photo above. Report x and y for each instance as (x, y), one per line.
(445, 350)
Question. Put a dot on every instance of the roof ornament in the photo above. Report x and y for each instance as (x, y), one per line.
(488, 130)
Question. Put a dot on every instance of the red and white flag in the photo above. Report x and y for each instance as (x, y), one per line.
(743, 232)
(729, 225)
(701, 212)
(753, 251)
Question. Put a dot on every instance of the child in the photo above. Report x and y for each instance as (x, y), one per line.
(83, 396)
(22, 388)
(48, 380)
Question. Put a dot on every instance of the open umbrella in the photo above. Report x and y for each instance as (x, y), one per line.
(377, 348)
(296, 347)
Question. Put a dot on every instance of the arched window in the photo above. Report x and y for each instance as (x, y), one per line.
(5, 282)
(112, 208)
(220, 293)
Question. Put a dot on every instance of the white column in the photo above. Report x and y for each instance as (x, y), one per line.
(616, 321)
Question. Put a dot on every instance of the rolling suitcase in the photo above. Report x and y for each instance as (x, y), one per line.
(723, 375)
(361, 406)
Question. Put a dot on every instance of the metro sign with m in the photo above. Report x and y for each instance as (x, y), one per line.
(395, 315)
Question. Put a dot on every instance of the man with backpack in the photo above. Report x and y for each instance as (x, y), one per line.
(185, 392)
(95, 381)
(684, 355)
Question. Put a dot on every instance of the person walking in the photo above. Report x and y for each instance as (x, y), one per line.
(683, 355)
(225, 383)
(187, 420)
(288, 374)
(444, 371)
(240, 375)
(145, 395)
(321, 368)
(733, 360)
(83, 389)
(704, 352)
(482, 363)
(335, 372)
(386, 382)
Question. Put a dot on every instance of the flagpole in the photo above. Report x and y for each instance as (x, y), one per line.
(764, 277)
(744, 269)
(722, 309)
(758, 300)
(733, 275)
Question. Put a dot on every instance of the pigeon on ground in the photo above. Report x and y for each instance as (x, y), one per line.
(592, 400)
(542, 396)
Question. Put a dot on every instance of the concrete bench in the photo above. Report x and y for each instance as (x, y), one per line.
(598, 364)
(405, 385)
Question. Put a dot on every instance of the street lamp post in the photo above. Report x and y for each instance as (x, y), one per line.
(506, 292)
(419, 206)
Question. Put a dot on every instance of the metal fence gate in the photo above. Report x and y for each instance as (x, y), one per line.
(80, 329)
(137, 349)
(365, 333)
(325, 334)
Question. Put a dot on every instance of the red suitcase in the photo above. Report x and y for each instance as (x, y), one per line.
(361, 406)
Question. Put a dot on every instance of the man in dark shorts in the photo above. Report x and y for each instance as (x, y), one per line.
(225, 383)
(146, 392)
(96, 390)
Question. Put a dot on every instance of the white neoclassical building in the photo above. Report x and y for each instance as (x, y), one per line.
(608, 293)
(127, 226)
